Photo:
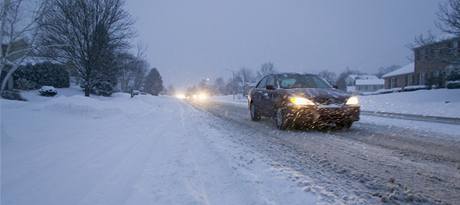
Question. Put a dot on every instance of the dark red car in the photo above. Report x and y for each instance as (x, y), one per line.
(302, 99)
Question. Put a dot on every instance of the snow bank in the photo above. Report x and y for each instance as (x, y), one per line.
(238, 99)
(436, 102)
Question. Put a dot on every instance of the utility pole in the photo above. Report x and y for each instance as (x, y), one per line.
(233, 83)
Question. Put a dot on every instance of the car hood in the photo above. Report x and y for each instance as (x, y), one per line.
(321, 96)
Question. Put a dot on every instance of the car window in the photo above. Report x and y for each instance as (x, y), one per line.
(262, 83)
(271, 81)
(289, 81)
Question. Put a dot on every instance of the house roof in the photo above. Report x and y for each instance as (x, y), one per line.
(370, 81)
(410, 68)
(362, 76)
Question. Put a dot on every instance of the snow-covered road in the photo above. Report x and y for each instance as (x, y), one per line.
(146, 150)
(379, 159)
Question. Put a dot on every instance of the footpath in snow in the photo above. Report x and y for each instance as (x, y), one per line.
(72, 149)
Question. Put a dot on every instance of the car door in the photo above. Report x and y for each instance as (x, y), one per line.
(269, 95)
(257, 98)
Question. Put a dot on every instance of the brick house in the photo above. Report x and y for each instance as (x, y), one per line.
(433, 61)
(401, 77)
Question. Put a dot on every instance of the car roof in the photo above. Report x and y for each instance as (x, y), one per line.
(280, 74)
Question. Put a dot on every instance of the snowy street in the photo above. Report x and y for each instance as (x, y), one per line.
(77, 150)
(146, 150)
(234, 102)
(391, 159)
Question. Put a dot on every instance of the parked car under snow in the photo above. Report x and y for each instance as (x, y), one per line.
(47, 91)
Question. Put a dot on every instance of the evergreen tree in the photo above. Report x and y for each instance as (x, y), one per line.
(153, 83)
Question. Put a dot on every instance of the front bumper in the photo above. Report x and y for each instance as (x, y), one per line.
(315, 114)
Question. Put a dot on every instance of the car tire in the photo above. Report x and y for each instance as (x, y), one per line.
(280, 118)
(255, 115)
(344, 125)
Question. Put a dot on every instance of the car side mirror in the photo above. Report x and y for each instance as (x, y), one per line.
(270, 87)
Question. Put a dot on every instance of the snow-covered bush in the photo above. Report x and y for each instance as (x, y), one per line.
(47, 91)
(34, 76)
(453, 84)
(12, 95)
(103, 88)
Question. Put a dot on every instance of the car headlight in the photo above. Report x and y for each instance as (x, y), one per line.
(301, 101)
(353, 101)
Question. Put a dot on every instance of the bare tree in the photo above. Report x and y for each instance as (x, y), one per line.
(420, 41)
(18, 27)
(449, 17)
(93, 32)
(329, 76)
(219, 86)
(265, 69)
(132, 71)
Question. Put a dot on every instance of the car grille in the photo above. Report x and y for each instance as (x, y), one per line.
(328, 101)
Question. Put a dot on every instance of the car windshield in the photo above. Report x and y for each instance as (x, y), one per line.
(290, 81)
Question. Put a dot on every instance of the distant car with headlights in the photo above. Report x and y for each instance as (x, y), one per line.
(302, 99)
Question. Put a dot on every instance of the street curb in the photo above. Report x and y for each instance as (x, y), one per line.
(446, 120)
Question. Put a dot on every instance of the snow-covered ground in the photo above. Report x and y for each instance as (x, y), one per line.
(71, 149)
(436, 102)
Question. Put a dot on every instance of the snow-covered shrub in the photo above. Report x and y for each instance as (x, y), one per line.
(34, 76)
(103, 88)
(25, 84)
(47, 91)
(453, 84)
(12, 95)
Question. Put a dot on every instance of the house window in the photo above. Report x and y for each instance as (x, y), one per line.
(393, 82)
(421, 78)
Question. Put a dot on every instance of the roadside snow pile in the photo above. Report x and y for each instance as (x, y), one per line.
(436, 102)
(238, 99)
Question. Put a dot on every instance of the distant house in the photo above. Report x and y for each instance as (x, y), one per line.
(400, 78)
(433, 62)
(363, 83)
(368, 85)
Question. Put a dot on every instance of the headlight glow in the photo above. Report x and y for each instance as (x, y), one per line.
(202, 96)
(180, 96)
(353, 100)
(301, 101)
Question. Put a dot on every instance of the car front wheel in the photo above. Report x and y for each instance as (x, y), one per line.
(281, 121)
(255, 116)
(346, 125)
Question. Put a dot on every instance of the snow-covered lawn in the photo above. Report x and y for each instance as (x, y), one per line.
(71, 149)
(436, 102)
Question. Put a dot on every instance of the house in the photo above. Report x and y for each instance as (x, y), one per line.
(434, 62)
(366, 82)
(368, 85)
(401, 77)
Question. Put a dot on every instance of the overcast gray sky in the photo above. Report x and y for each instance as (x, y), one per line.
(191, 39)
